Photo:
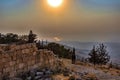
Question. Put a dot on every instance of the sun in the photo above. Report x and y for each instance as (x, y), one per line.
(55, 3)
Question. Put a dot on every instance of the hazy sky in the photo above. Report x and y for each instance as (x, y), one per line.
(78, 20)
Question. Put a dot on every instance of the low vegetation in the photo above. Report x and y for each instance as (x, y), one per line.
(99, 55)
(60, 50)
(10, 38)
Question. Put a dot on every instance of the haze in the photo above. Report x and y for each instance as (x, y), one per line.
(78, 20)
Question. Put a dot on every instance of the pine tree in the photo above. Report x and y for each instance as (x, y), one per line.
(99, 55)
(103, 56)
(111, 65)
(38, 44)
(73, 56)
(31, 37)
(93, 56)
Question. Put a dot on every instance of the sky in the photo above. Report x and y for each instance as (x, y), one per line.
(74, 20)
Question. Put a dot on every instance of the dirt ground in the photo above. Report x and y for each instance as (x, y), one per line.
(101, 73)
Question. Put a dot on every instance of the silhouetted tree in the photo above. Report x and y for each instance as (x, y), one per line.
(31, 37)
(102, 54)
(82, 59)
(73, 56)
(14, 38)
(60, 50)
(99, 55)
(111, 65)
(23, 38)
(2, 38)
(42, 44)
(93, 56)
(38, 44)
(8, 38)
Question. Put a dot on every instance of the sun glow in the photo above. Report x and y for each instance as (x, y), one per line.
(55, 3)
(57, 39)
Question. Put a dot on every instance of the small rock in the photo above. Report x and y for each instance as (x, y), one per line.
(29, 78)
(37, 77)
(39, 73)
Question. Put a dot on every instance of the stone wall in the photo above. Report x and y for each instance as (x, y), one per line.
(19, 58)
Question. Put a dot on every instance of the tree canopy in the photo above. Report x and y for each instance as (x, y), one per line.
(31, 37)
(60, 50)
(10, 38)
(99, 55)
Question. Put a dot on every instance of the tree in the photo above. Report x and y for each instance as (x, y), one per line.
(111, 65)
(73, 56)
(2, 38)
(8, 38)
(93, 56)
(31, 37)
(60, 50)
(102, 54)
(99, 55)
(23, 39)
(38, 44)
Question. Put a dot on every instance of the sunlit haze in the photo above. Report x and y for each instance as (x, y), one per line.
(55, 3)
(62, 20)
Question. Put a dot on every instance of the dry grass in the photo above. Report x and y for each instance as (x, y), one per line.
(60, 77)
(83, 67)
(106, 69)
(90, 76)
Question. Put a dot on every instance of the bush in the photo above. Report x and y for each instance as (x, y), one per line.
(60, 50)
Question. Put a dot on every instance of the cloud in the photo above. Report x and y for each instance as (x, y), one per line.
(57, 39)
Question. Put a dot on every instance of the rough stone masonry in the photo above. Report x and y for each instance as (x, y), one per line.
(19, 58)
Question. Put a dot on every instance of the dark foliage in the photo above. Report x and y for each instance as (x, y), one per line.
(42, 44)
(60, 50)
(114, 65)
(93, 56)
(31, 37)
(111, 65)
(99, 55)
(10, 38)
(73, 56)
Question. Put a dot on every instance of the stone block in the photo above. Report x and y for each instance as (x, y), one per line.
(34, 53)
(29, 63)
(14, 58)
(12, 74)
(6, 64)
(33, 62)
(12, 63)
(35, 66)
(23, 46)
(21, 65)
(3, 60)
(5, 70)
(23, 51)
(17, 48)
(8, 69)
(26, 50)
(25, 57)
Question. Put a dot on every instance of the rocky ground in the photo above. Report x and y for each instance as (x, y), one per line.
(78, 71)
(84, 71)
(36, 74)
